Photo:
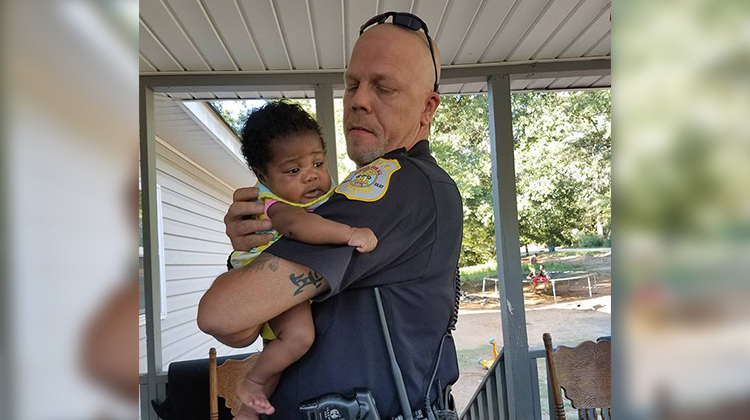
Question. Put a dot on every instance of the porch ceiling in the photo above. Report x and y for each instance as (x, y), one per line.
(198, 37)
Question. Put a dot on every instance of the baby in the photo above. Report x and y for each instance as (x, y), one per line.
(284, 148)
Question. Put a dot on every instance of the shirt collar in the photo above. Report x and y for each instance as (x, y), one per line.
(421, 148)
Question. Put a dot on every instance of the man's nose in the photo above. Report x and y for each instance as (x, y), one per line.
(362, 98)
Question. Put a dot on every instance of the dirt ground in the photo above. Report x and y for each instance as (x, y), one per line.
(574, 318)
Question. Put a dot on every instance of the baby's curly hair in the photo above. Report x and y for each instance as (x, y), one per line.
(274, 121)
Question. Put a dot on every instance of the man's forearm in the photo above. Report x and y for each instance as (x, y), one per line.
(241, 300)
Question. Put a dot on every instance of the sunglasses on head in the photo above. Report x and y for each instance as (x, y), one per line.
(408, 21)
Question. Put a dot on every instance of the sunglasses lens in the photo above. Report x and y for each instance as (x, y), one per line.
(407, 22)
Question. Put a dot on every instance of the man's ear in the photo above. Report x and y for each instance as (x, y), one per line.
(430, 107)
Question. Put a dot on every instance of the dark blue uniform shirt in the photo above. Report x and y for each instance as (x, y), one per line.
(418, 222)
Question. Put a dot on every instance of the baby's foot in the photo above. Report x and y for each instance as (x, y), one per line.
(253, 395)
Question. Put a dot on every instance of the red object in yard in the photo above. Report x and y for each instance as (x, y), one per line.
(537, 279)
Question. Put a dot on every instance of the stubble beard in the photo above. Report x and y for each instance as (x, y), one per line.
(364, 155)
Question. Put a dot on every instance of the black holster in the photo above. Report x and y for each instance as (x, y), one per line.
(446, 409)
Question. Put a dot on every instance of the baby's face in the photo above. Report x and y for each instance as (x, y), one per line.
(298, 171)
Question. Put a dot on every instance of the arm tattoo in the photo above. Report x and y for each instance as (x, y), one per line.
(303, 279)
(262, 261)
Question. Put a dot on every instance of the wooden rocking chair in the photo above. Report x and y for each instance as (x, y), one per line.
(223, 380)
(584, 372)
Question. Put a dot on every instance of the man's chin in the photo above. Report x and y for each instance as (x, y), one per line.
(364, 156)
(363, 151)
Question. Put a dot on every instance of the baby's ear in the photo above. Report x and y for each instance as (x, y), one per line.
(260, 176)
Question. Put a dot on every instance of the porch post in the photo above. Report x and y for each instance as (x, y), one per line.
(151, 283)
(327, 119)
(515, 345)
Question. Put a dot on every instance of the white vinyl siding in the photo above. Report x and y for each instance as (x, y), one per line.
(195, 251)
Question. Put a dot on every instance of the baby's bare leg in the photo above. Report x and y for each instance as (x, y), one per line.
(295, 333)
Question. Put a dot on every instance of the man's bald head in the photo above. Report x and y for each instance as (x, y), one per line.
(389, 99)
(412, 45)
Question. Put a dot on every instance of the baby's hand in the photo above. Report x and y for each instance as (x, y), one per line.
(363, 239)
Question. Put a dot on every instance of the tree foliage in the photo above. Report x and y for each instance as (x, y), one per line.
(562, 156)
(563, 161)
(234, 116)
(460, 143)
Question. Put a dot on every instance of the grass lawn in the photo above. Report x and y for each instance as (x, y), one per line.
(570, 251)
(471, 277)
(469, 358)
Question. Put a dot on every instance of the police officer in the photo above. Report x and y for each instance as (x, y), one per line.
(412, 206)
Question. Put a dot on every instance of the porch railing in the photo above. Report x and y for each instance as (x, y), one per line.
(161, 386)
(488, 401)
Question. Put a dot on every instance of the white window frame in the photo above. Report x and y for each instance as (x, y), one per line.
(161, 262)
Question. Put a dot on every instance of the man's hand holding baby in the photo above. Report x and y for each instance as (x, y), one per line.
(241, 227)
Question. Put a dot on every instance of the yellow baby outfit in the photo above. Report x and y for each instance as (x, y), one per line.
(268, 198)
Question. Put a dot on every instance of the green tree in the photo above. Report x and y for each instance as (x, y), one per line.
(563, 153)
(563, 164)
(460, 143)
(234, 117)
